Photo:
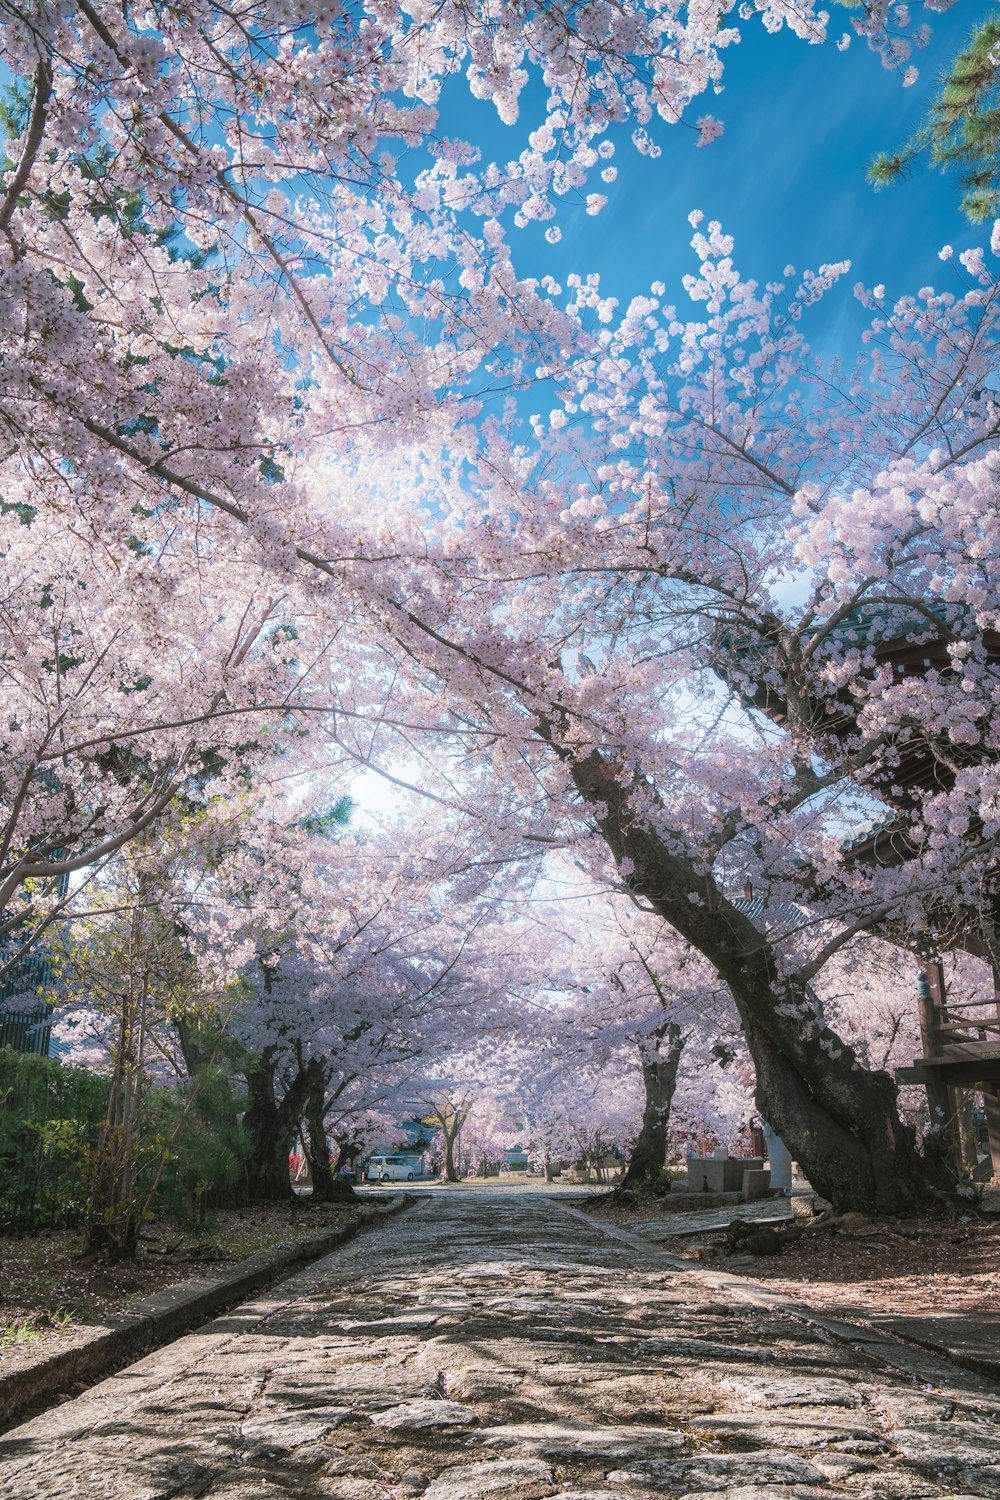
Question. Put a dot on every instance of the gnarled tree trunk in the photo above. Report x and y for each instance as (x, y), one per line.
(838, 1119)
(448, 1117)
(271, 1125)
(660, 1053)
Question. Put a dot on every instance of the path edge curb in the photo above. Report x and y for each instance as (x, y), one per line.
(904, 1354)
(167, 1314)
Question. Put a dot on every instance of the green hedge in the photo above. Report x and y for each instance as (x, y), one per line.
(193, 1146)
(50, 1118)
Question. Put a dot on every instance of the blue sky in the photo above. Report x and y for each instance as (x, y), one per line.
(787, 178)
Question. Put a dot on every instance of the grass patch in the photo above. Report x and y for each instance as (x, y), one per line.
(18, 1335)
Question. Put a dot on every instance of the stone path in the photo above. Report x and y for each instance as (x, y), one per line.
(968, 1338)
(488, 1349)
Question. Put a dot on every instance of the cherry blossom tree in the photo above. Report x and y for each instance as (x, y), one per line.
(713, 475)
(205, 216)
(634, 996)
(590, 1115)
(595, 596)
(369, 958)
(658, 994)
(489, 1133)
(135, 692)
(445, 1106)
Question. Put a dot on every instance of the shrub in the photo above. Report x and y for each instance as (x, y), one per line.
(50, 1120)
(204, 1145)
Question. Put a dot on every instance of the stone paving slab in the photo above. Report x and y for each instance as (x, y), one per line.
(713, 1220)
(509, 1348)
(92, 1351)
(913, 1346)
(970, 1340)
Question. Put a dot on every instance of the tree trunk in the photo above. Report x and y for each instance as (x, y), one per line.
(191, 1052)
(112, 1216)
(838, 1119)
(661, 1055)
(315, 1142)
(449, 1174)
(271, 1127)
(327, 1187)
(547, 1166)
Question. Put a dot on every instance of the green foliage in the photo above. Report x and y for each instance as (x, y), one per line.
(191, 1153)
(25, 513)
(50, 1119)
(15, 108)
(324, 823)
(204, 1145)
(962, 131)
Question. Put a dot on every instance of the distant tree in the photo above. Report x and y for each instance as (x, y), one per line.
(445, 1107)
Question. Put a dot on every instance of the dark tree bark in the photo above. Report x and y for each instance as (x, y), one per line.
(837, 1118)
(327, 1187)
(317, 1146)
(660, 1054)
(449, 1173)
(271, 1126)
(191, 1052)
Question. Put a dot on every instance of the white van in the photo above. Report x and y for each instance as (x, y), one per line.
(389, 1169)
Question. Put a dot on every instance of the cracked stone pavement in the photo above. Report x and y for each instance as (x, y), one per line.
(507, 1348)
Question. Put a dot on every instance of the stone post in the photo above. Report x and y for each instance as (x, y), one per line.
(780, 1159)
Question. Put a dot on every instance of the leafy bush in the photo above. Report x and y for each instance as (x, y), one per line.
(192, 1149)
(50, 1119)
(204, 1145)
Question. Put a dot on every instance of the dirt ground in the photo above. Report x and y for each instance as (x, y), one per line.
(879, 1266)
(926, 1265)
(48, 1287)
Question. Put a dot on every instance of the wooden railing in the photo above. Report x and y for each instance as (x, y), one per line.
(962, 1023)
(956, 1030)
(961, 1050)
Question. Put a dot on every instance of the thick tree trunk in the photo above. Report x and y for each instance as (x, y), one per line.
(449, 1173)
(317, 1146)
(327, 1187)
(660, 1054)
(271, 1127)
(838, 1119)
(547, 1166)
